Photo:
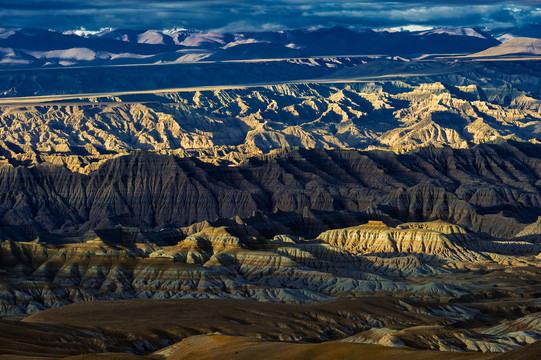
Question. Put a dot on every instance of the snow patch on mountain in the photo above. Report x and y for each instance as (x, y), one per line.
(150, 37)
(198, 39)
(79, 54)
(455, 32)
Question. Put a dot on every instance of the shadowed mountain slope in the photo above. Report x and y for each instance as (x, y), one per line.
(488, 188)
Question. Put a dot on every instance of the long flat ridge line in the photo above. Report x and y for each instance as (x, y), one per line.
(32, 100)
(57, 98)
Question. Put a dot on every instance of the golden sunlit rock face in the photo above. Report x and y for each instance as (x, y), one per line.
(232, 124)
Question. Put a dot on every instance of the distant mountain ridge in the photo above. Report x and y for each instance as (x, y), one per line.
(37, 47)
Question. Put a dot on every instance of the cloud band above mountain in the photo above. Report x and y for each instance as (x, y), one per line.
(264, 14)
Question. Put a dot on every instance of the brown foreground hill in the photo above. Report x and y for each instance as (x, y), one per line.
(236, 330)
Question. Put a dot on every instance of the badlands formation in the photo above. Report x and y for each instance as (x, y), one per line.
(227, 126)
(386, 209)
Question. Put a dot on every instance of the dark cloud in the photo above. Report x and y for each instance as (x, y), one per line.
(264, 14)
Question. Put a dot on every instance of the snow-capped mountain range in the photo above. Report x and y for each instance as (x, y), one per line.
(37, 48)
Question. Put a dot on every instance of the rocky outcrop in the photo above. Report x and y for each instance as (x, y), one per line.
(531, 233)
(200, 247)
(377, 238)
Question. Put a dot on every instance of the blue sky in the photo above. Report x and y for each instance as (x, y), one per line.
(240, 15)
